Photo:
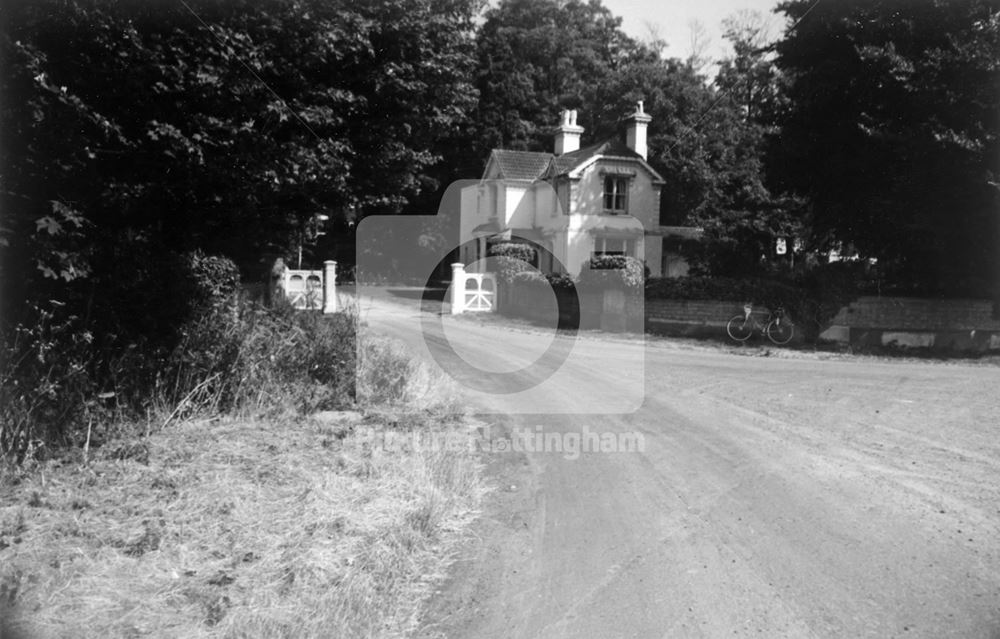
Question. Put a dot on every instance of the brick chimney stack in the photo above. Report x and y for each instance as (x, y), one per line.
(568, 135)
(635, 134)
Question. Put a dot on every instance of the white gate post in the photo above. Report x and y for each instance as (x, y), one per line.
(457, 288)
(329, 287)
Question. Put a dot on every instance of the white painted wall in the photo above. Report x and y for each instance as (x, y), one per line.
(542, 207)
(518, 207)
(470, 204)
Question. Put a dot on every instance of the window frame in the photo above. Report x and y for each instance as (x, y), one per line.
(628, 246)
(619, 190)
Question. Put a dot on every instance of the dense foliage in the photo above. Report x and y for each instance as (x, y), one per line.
(141, 141)
(222, 126)
(613, 271)
(511, 259)
(891, 134)
(811, 296)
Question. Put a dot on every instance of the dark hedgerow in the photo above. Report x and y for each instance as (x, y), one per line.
(259, 358)
(811, 298)
(60, 386)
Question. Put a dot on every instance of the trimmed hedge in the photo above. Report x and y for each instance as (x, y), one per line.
(511, 259)
(616, 271)
(755, 290)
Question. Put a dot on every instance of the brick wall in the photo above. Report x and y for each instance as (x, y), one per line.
(945, 325)
(961, 325)
(703, 312)
(907, 313)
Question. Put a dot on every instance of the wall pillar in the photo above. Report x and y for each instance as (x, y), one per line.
(457, 288)
(329, 287)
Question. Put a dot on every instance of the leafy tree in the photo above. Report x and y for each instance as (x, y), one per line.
(749, 76)
(743, 217)
(140, 129)
(710, 154)
(891, 133)
(538, 57)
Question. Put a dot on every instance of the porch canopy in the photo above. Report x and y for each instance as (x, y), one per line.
(515, 235)
(619, 226)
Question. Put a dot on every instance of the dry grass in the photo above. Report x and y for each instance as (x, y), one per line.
(381, 380)
(232, 528)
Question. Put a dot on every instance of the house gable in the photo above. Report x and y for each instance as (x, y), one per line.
(572, 165)
(519, 166)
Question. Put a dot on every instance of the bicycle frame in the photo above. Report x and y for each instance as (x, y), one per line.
(753, 317)
(762, 322)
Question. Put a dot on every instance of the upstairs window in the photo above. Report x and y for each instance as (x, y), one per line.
(616, 194)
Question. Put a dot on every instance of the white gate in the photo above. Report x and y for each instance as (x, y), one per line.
(304, 289)
(480, 292)
(472, 292)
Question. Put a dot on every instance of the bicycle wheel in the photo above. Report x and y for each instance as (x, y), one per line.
(780, 331)
(740, 328)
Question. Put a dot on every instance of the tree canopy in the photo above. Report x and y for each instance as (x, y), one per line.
(131, 129)
(536, 57)
(890, 132)
(221, 126)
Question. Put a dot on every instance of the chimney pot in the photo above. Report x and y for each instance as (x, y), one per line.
(568, 134)
(635, 134)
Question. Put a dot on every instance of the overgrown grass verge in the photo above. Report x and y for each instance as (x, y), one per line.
(59, 390)
(202, 485)
(245, 528)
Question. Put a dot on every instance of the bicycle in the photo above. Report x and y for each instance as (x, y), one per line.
(776, 326)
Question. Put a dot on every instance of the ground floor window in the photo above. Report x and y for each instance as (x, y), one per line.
(614, 246)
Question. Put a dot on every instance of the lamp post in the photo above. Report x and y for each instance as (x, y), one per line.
(316, 223)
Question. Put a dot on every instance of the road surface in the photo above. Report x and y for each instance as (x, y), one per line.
(773, 497)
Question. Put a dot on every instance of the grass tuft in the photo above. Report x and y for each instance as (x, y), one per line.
(241, 529)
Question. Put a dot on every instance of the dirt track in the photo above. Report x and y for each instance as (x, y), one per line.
(774, 498)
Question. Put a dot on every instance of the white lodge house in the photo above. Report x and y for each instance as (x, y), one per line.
(576, 203)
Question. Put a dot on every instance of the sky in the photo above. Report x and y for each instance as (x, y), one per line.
(672, 17)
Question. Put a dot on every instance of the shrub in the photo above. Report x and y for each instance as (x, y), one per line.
(561, 281)
(616, 271)
(511, 258)
(384, 371)
(45, 382)
(58, 383)
(517, 250)
(756, 290)
(528, 278)
(259, 359)
(211, 279)
(812, 297)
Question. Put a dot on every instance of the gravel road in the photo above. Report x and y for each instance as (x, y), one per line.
(771, 497)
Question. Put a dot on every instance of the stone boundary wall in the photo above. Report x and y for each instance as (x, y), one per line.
(940, 324)
(705, 318)
(910, 322)
(911, 313)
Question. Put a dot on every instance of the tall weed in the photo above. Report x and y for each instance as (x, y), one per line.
(57, 385)
(45, 382)
(258, 359)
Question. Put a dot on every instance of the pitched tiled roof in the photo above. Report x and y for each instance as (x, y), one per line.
(565, 163)
(521, 165)
(530, 165)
